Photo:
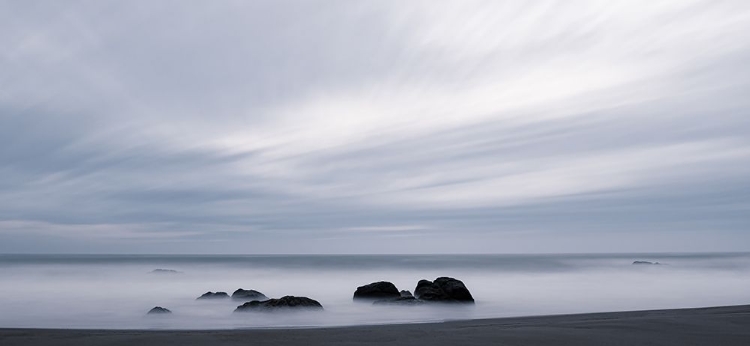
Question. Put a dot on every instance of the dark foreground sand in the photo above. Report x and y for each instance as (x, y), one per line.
(706, 326)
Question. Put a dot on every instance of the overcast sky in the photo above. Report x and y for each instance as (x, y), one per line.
(374, 126)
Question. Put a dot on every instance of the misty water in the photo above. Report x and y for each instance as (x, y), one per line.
(115, 292)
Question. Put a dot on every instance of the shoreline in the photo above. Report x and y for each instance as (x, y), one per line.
(724, 325)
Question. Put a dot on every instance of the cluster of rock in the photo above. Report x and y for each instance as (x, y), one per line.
(239, 294)
(442, 290)
(255, 301)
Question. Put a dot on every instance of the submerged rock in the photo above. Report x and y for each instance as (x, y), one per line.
(286, 303)
(165, 271)
(645, 263)
(214, 295)
(377, 290)
(248, 295)
(399, 301)
(159, 310)
(443, 289)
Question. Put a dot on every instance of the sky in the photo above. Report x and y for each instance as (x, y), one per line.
(255, 127)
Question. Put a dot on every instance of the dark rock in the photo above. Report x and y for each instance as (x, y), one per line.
(214, 295)
(443, 289)
(159, 310)
(429, 291)
(248, 295)
(399, 301)
(377, 290)
(646, 263)
(165, 271)
(454, 288)
(405, 294)
(286, 303)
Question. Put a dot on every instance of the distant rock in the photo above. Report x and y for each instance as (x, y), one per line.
(399, 301)
(406, 294)
(443, 289)
(645, 263)
(214, 295)
(377, 290)
(286, 303)
(157, 310)
(165, 271)
(248, 295)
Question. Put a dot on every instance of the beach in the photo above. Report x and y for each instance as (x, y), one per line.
(698, 326)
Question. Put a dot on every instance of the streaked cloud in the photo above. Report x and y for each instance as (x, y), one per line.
(248, 124)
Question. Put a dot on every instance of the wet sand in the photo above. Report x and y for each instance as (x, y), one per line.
(703, 326)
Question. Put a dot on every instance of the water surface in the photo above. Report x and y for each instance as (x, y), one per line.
(115, 291)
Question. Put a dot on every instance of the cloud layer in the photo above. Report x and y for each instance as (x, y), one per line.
(374, 126)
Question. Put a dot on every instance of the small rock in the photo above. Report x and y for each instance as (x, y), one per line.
(165, 271)
(406, 294)
(214, 295)
(248, 295)
(159, 310)
(645, 263)
(286, 303)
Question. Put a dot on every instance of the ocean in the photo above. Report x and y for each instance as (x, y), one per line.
(116, 291)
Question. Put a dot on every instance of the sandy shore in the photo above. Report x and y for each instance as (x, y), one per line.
(704, 326)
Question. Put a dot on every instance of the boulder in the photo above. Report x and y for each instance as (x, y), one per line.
(286, 303)
(427, 290)
(159, 310)
(377, 290)
(248, 295)
(214, 295)
(443, 289)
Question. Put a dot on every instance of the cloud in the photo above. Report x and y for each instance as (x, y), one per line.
(88, 231)
(259, 122)
(399, 228)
